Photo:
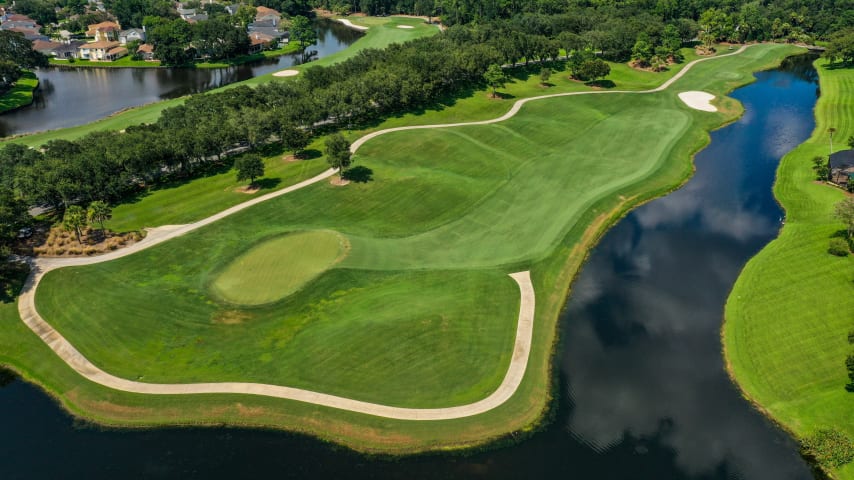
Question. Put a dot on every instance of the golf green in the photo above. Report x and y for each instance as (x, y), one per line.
(276, 268)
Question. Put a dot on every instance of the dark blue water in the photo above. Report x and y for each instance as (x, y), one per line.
(642, 393)
(76, 96)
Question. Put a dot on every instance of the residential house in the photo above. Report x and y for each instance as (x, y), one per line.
(104, 31)
(132, 34)
(186, 13)
(146, 51)
(67, 50)
(199, 17)
(46, 47)
(24, 25)
(264, 14)
(101, 51)
(267, 27)
(261, 41)
(841, 168)
(232, 9)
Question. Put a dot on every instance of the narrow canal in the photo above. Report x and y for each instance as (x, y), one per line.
(642, 394)
(76, 96)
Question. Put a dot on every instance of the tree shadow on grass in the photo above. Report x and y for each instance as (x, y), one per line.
(601, 84)
(267, 183)
(359, 174)
(309, 154)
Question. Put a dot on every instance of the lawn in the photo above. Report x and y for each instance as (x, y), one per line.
(789, 314)
(420, 313)
(199, 198)
(21, 94)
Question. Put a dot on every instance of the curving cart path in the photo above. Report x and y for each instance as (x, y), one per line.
(512, 379)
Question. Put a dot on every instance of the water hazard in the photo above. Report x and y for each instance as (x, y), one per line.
(642, 394)
(76, 96)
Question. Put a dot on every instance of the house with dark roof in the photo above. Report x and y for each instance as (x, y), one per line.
(186, 13)
(199, 17)
(232, 9)
(67, 50)
(267, 27)
(841, 168)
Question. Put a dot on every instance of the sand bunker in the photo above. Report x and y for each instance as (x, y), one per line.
(286, 73)
(351, 25)
(405, 26)
(699, 101)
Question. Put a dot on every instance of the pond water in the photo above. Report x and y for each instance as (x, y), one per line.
(642, 394)
(76, 96)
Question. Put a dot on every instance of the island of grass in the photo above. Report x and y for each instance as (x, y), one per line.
(418, 311)
(789, 313)
(21, 94)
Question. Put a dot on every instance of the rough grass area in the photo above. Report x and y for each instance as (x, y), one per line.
(278, 267)
(21, 94)
(789, 314)
(406, 319)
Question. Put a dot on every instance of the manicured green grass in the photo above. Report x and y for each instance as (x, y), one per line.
(124, 62)
(21, 94)
(186, 202)
(278, 267)
(205, 196)
(789, 314)
(400, 330)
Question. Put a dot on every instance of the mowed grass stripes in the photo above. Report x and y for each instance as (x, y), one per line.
(789, 314)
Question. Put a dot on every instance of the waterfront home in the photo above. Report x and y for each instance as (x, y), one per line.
(267, 27)
(841, 168)
(101, 51)
(67, 49)
(261, 41)
(132, 34)
(146, 51)
(104, 31)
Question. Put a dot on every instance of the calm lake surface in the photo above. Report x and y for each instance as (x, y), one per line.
(642, 394)
(76, 96)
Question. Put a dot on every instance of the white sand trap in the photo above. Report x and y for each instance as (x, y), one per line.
(286, 73)
(699, 101)
(351, 25)
(405, 26)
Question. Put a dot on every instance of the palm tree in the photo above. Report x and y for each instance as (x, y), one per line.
(74, 220)
(100, 212)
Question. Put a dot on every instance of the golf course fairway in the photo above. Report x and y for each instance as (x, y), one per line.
(789, 313)
(421, 312)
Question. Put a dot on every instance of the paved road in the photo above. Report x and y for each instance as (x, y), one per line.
(512, 379)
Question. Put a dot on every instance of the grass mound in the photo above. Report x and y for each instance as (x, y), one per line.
(278, 267)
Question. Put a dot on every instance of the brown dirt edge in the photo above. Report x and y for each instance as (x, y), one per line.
(368, 439)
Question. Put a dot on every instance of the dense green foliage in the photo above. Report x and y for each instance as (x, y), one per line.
(829, 447)
(249, 167)
(177, 42)
(16, 54)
